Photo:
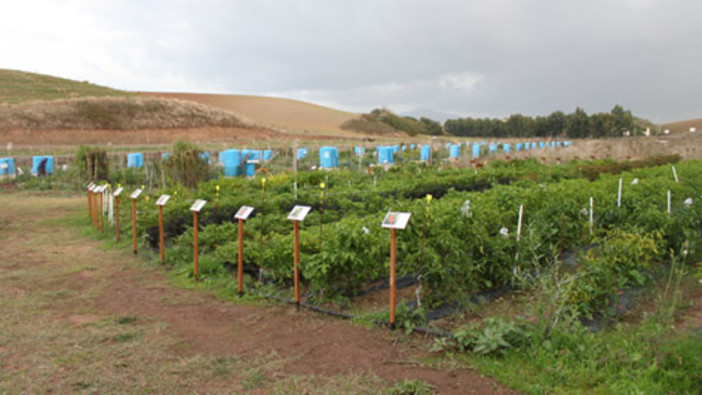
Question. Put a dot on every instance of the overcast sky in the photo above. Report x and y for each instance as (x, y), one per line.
(463, 57)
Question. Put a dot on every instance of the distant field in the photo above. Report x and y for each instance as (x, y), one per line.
(683, 126)
(21, 87)
(285, 115)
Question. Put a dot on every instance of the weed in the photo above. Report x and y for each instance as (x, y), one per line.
(411, 387)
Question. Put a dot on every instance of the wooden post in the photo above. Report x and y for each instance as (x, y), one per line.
(240, 263)
(102, 219)
(95, 211)
(90, 205)
(393, 243)
(117, 219)
(134, 227)
(296, 230)
(195, 245)
(160, 233)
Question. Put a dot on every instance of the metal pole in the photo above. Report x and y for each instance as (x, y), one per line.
(160, 233)
(240, 263)
(393, 244)
(117, 219)
(134, 227)
(195, 244)
(296, 261)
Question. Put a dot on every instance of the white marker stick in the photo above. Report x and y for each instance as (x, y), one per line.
(675, 174)
(619, 196)
(519, 223)
(591, 221)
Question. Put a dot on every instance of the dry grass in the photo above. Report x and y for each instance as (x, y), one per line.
(133, 113)
(683, 127)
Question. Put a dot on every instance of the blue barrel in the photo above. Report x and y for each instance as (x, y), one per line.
(506, 148)
(476, 150)
(250, 169)
(360, 151)
(482, 142)
(135, 159)
(7, 167)
(455, 151)
(533, 145)
(395, 148)
(267, 154)
(232, 162)
(518, 147)
(541, 144)
(328, 157)
(385, 155)
(37, 161)
(413, 146)
(553, 144)
(424, 153)
(492, 148)
(301, 153)
(403, 148)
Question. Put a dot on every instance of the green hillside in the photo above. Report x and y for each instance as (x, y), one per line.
(21, 87)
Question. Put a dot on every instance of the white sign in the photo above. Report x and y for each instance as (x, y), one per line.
(95, 189)
(162, 200)
(198, 205)
(396, 220)
(136, 193)
(244, 212)
(103, 188)
(118, 192)
(299, 213)
(9, 146)
(91, 185)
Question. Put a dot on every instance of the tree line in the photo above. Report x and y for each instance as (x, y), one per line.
(616, 123)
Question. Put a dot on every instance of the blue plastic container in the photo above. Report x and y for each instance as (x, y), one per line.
(301, 153)
(455, 151)
(424, 153)
(385, 155)
(395, 148)
(135, 159)
(413, 146)
(328, 157)
(492, 148)
(518, 147)
(541, 144)
(231, 160)
(360, 151)
(267, 154)
(476, 150)
(8, 168)
(506, 148)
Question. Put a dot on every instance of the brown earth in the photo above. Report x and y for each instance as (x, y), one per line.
(285, 115)
(41, 248)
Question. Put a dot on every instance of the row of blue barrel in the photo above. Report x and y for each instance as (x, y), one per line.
(477, 148)
(7, 165)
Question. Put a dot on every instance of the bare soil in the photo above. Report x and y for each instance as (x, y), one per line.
(113, 283)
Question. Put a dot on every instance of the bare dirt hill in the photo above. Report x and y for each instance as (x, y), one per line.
(285, 115)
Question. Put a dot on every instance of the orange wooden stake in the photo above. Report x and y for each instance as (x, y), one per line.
(160, 233)
(296, 232)
(95, 211)
(117, 219)
(392, 277)
(195, 244)
(134, 228)
(102, 219)
(240, 263)
(90, 205)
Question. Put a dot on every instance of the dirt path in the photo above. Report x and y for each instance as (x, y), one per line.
(100, 308)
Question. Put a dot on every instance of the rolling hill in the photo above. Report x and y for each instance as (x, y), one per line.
(285, 115)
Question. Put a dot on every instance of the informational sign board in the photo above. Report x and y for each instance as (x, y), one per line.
(162, 200)
(136, 193)
(198, 205)
(90, 186)
(103, 188)
(298, 213)
(394, 220)
(118, 192)
(244, 212)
